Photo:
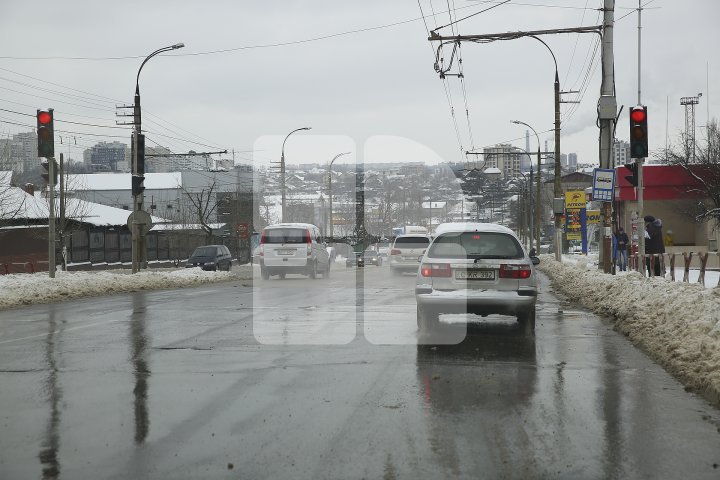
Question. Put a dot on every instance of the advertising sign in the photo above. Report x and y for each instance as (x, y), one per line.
(573, 224)
(575, 199)
(593, 217)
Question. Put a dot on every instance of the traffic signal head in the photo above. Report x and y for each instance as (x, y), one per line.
(45, 163)
(45, 133)
(138, 185)
(140, 167)
(638, 132)
(633, 179)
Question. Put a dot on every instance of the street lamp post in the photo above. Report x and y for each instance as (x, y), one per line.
(527, 190)
(138, 142)
(282, 172)
(557, 187)
(536, 231)
(330, 189)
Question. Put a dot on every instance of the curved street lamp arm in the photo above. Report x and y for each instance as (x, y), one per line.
(551, 53)
(338, 156)
(531, 128)
(296, 130)
(159, 50)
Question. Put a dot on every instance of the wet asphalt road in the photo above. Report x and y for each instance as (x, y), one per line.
(326, 379)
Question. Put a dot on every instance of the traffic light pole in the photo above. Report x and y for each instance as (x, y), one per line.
(137, 203)
(640, 161)
(51, 217)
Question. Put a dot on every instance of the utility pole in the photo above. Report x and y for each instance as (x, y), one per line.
(640, 161)
(607, 108)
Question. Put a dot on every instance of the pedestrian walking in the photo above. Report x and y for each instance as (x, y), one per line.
(654, 242)
(621, 245)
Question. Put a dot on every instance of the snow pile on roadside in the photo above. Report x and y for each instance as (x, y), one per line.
(29, 289)
(677, 324)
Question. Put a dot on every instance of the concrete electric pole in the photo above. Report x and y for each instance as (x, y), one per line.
(607, 110)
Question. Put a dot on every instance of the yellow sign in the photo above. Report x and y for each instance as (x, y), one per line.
(592, 217)
(575, 199)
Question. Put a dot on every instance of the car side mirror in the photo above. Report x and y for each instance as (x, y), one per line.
(535, 260)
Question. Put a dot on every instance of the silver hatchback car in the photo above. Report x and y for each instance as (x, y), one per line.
(476, 268)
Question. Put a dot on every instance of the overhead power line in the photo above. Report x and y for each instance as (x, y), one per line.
(289, 42)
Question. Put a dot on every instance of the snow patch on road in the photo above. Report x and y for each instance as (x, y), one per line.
(677, 324)
(29, 289)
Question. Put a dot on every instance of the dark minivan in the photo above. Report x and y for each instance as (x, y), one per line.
(210, 257)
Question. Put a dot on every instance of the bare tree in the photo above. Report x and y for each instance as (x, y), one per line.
(12, 203)
(703, 165)
(203, 205)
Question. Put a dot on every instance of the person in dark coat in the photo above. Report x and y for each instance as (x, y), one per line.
(621, 244)
(654, 241)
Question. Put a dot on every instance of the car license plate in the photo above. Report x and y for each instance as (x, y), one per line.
(475, 274)
(285, 252)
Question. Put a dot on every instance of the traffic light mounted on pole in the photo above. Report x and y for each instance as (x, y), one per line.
(633, 179)
(138, 171)
(138, 185)
(638, 132)
(45, 163)
(45, 133)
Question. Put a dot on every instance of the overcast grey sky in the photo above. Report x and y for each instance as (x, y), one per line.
(357, 86)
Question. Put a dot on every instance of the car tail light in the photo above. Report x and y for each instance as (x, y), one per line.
(441, 270)
(517, 272)
(395, 251)
(262, 244)
(308, 240)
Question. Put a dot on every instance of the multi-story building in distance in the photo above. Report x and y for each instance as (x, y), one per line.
(108, 157)
(19, 152)
(621, 152)
(504, 157)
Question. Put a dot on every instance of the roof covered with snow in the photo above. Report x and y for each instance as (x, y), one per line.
(20, 205)
(122, 181)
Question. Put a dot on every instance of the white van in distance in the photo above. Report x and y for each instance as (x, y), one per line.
(296, 248)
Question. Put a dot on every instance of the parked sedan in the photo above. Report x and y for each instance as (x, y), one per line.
(210, 257)
(476, 268)
(355, 259)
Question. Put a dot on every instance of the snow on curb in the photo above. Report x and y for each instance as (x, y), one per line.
(29, 289)
(677, 324)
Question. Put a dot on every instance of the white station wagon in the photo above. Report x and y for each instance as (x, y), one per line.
(476, 268)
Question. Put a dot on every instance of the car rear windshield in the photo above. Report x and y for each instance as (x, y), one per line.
(474, 245)
(285, 235)
(205, 252)
(412, 242)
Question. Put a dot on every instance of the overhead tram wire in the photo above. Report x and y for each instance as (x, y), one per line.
(62, 94)
(456, 31)
(83, 99)
(550, 130)
(59, 85)
(589, 75)
(279, 44)
(448, 97)
(577, 40)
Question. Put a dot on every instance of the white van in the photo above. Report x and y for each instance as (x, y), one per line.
(405, 252)
(293, 248)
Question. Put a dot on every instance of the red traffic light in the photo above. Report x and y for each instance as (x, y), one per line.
(638, 115)
(44, 118)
